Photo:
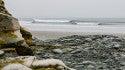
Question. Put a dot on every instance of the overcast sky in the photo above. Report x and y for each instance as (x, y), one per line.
(67, 8)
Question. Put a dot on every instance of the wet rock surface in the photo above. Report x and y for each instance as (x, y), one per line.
(94, 52)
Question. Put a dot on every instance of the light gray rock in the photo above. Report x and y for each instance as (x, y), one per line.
(88, 63)
(58, 51)
(88, 39)
(91, 67)
(1, 53)
(16, 67)
(65, 50)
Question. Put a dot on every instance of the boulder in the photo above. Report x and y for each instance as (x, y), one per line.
(12, 35)
(16, 67)
(8, 23)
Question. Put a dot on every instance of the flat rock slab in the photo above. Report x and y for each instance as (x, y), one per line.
(8, 23)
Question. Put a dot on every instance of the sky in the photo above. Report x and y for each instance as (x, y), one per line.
(67, 8)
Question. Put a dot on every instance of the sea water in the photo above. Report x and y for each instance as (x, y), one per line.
(86, 25)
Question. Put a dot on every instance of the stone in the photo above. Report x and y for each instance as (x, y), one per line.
(88, 39)
(58, 45)
(26, 35)
(37, 42)
(88, 63)
(65, 50)
(10, 33)
(16, 67)
(10, 37)
(3, 9)
(76, 51)
(1, 53)
(8, 23)
(58, 51)
(91, 67)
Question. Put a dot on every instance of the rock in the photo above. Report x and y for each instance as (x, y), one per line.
(88, 63)
(8, 23)
(26, 35)
(65, 50)
(76, 51)
(23, 51)
(117, 46)
(88, 39)
(10, 35)
(1, 53)
(58, 45)
(58, 51)
(3, 9)
(16, 67)
(37, 42)
(35, 63)
(91, 67)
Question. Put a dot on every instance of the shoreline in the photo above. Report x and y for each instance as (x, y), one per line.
(45, 35)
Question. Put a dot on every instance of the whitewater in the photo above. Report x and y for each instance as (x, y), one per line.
(67, 26)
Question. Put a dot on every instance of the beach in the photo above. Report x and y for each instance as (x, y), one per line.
(80, 46)
(45, 35)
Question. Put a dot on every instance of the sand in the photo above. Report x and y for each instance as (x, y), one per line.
(45, 35)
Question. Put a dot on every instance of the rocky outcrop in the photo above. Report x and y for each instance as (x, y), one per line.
(10, 33)
(3, 9)
(8, 23)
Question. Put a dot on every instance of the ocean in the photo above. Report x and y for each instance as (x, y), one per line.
(105, 25)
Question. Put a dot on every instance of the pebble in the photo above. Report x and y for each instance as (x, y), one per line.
(88, 63)
(58, 45)
(1, 53)
(88, 39)
(76, 51)
(91, 67)
(58, 51)
(65, 50)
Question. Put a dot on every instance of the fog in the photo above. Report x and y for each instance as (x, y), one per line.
(67, 8)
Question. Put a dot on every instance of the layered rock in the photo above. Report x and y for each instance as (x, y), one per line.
(3, 9)
(10, 35)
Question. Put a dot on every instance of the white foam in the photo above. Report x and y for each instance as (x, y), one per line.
(49, 21)
(76, 28)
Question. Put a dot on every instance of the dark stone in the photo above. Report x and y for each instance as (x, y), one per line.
(26, 35)
(21, 47)
(23, 51)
